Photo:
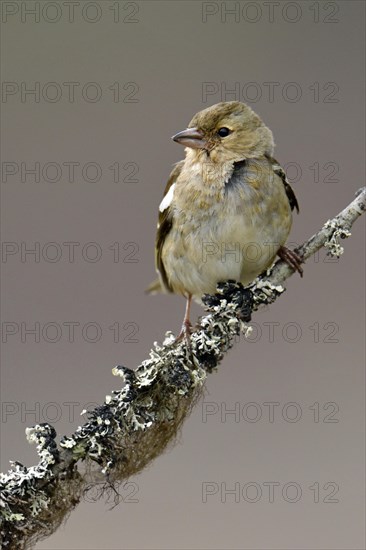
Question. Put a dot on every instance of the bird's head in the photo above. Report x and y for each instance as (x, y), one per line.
(227, 132)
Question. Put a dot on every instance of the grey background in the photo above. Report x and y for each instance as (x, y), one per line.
(170, 52)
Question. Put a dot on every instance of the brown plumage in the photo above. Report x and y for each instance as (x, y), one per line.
(226, 211)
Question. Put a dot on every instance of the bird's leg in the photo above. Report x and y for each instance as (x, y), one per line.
(187, 325)
(291, 258)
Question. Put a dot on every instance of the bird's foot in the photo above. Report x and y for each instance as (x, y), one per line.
(291, 258)
(186, 334)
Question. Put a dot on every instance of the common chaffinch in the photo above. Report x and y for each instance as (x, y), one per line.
(227, 207)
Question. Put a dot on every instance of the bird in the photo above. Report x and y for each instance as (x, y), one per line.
(227, 207)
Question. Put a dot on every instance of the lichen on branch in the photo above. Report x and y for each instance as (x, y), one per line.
(137, 423)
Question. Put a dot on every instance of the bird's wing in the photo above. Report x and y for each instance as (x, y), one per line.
(277, 168)
(165, 223)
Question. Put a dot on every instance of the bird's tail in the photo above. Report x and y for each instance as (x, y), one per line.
(154, 287)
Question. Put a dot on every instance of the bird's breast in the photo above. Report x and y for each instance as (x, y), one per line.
(232, 231)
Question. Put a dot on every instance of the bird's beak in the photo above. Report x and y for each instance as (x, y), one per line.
(192, 137)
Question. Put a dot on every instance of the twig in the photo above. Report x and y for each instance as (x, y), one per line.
(136, 424)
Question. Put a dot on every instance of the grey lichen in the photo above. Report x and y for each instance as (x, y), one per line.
(334, 247)
(35, 496)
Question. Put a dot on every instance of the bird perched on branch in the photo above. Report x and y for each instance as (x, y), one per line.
(226, 211)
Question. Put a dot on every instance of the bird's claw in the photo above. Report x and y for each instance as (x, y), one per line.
(292, 259)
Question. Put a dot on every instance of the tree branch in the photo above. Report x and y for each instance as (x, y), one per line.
(136, 424)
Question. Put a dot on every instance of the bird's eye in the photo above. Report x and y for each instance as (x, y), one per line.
(223, 132)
